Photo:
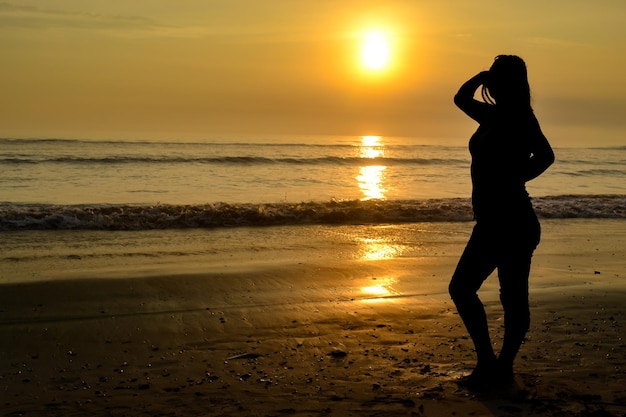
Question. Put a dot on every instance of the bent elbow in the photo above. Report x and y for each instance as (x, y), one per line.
(458, 100)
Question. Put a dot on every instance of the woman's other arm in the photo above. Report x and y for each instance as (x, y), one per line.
(542, 154)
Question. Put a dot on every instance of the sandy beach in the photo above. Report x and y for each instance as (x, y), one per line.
(315, 321)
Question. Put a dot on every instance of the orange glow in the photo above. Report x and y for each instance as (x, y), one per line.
(123, 69)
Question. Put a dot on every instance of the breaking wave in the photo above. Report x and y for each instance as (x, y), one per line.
(145, 217)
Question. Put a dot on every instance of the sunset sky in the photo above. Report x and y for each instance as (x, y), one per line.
(197, 68)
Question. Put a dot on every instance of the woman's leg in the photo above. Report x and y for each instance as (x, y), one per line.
(513, 273)
(475, 265)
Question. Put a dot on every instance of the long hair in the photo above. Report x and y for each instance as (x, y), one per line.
(507, 83)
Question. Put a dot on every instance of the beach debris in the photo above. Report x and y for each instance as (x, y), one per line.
(211, 377)
(338, 353)
(245, 376)
(246, 355)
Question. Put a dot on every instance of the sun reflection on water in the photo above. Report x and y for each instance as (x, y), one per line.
(371, 178)
(371, 147)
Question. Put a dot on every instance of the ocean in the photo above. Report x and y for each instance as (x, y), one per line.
(70, 184)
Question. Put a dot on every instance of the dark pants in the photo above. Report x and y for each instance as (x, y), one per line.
(507, 247)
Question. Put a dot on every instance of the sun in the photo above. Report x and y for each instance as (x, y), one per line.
(375, 51)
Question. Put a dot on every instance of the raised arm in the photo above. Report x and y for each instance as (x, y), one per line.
(464, 98)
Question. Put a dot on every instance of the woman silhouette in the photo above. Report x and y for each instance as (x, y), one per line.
(507, 150)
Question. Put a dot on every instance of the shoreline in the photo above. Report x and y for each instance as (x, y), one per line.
(324, 331)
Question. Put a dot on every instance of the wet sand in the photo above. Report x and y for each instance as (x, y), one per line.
(314, 335)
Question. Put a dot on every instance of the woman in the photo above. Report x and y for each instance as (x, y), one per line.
(508, 149)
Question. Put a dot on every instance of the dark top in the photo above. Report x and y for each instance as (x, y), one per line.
(508, 149)
(500, 150)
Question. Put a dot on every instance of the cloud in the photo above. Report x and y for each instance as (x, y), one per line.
(18, 17)
(547, 42)
(30, 17)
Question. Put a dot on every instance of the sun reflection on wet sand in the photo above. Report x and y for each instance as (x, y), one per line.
(377, 249)
(380, 291)
(371, 178)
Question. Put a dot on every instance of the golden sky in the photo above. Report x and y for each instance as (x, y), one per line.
(199, 68)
